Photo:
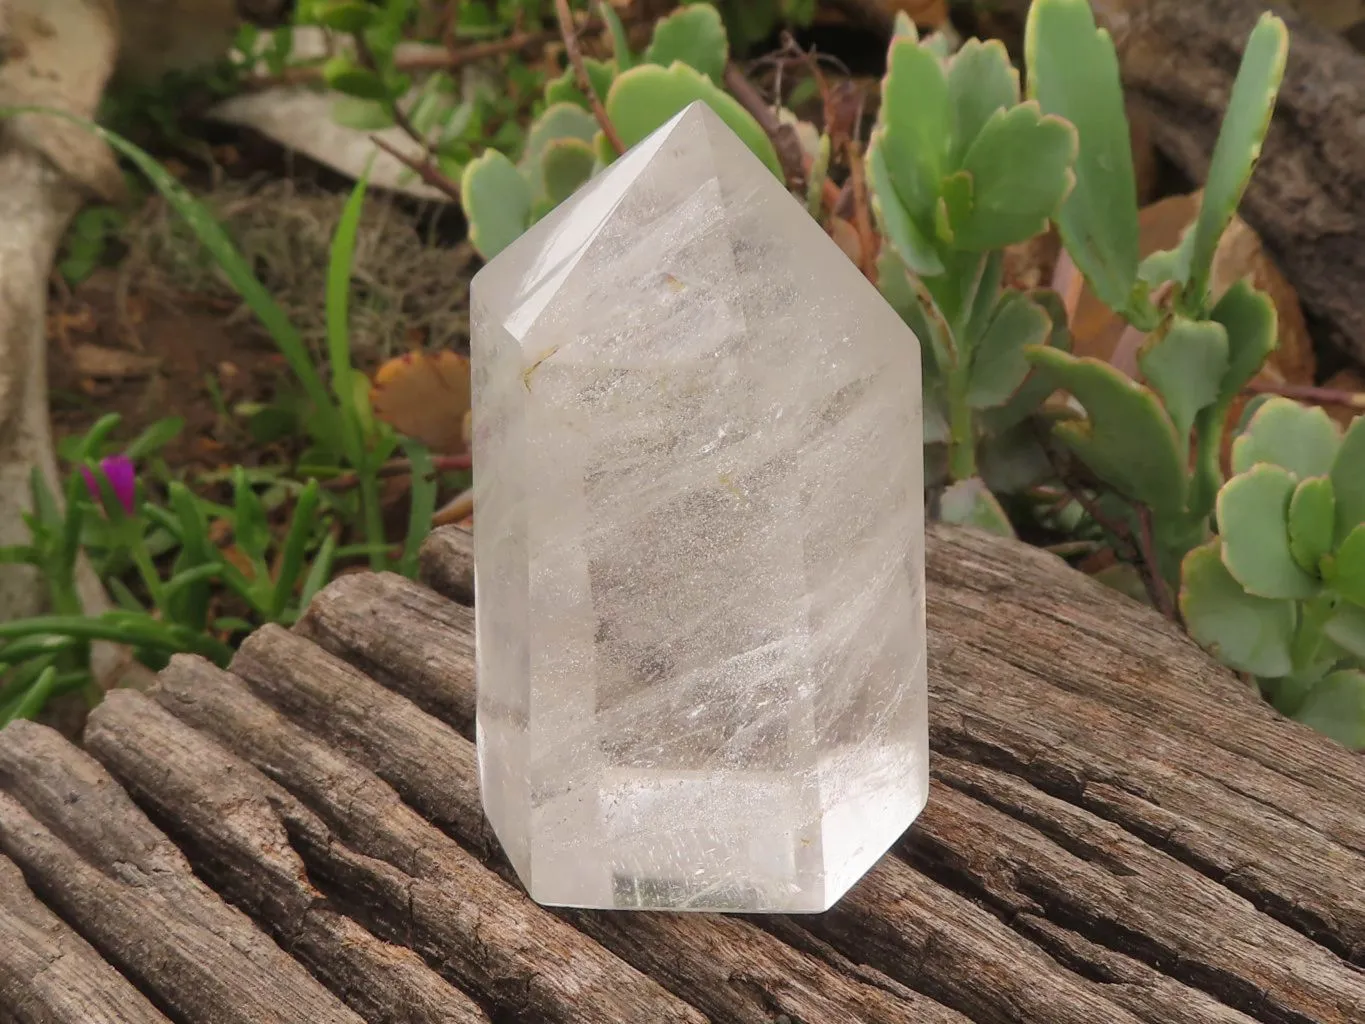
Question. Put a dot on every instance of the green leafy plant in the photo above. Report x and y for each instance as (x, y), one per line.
(565, 145)
(960, 168)
(1198, 352)
(1280, 592)
(108, 514)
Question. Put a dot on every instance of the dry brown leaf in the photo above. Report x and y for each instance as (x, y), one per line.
(425, 396)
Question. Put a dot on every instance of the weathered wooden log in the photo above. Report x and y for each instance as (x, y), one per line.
(1307, 199)
(377, 858)
(1118, 831)
(1301, 968)
(89, 853)
(48, 973)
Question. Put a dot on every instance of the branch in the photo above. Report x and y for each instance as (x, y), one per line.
(570, 34)
(785, 139)
(1306, 393)
(424, 168)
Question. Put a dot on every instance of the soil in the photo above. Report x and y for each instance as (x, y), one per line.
(153, 356)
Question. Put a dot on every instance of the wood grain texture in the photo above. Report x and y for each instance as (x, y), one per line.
(88, 852)
(1118, 832)
(50, 975)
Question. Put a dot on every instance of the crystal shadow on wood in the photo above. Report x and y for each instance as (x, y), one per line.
(699, 544)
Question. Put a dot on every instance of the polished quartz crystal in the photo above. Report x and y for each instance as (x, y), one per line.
(699, 544)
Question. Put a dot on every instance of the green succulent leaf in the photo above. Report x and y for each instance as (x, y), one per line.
(566, 165)
(497, 201)
(1336, 708)
(1073, 72)
(1346, 629)
(1128, 439)
(1025, 401)
(559, 121)
(916, 125)
(1185, 366)
(1250, 320)
(1248, 316)
(344, 75)
(1312, 522)
(625, 60)
(1020, 171)
(981, 80)
(954, 206)
(645, 98)
(694, 35)
(1253, 513)
(970, 503)
(345, 16)
(1348, 479)
(999, 364)
(914, 248)
(1344, 569)
(1302, 439)
(1237, 149)
(564, 88)
(1246, 633)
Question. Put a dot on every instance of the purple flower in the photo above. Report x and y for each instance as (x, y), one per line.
(122, 477)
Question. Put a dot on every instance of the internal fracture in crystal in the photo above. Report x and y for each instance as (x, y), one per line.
(699, 544)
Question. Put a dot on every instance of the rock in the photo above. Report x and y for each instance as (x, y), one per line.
(700, 543)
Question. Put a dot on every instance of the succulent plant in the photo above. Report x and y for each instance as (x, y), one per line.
(1280, 592)
(684, 62)
(1198, 353)
(960, 168)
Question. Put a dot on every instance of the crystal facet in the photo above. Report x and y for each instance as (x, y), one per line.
(699, 544)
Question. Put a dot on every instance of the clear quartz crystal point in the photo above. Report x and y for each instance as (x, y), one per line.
(699, 544)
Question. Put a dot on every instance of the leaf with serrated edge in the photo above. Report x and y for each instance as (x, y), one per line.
(1253, 513)
(1312, 520)
(646, 97)
(1128, 440)
(999, 365)
(1020, 167)
(917, 125)
(1302, 439)
(1073, 72)
(981, 80)
(694, 35)
(1246, 633)
(1184, 366)
(910, 243)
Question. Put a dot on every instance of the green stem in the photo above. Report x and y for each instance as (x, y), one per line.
(374, 519)
(151, 579)
(1313, 616)
(961, 429)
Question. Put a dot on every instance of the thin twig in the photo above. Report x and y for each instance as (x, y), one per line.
(1157, 586)
(785, 140)
(571, 47)
(425, 168)
(1307, 393)
(862, 209)
(400, 467)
